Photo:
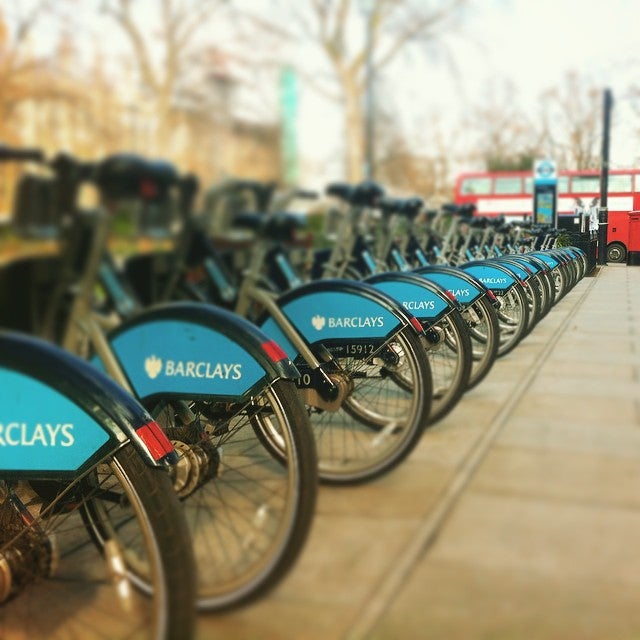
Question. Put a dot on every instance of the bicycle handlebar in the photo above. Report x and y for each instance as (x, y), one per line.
(13, 154)
(408, 207)
(306, 194)
(366, 193)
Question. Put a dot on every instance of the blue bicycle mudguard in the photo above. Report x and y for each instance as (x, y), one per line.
(570, 253)
(523, 273)
(546, 258)
(532, 264)
(462, 285)
(59, 416)
(576, 252)
(536, 260)
(337, 311)
(194, 350)
(426, 300)
(493, 276)
(561, 255)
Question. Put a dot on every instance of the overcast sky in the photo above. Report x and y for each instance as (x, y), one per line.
(536, 41)
(533, 43)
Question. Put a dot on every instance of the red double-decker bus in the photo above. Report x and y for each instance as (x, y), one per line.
(510, 193)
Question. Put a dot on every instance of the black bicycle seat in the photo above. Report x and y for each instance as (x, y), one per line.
(280, 226)
(341, 190)
(367, 194)
(127, 175)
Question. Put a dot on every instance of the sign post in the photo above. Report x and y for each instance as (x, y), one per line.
(603, 215)
(545, 186)
(289, 140)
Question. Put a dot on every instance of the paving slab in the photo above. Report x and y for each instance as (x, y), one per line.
(517, 516)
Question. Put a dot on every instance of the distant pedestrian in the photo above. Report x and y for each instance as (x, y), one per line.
(593, 217)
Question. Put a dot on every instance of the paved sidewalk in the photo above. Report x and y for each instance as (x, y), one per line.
(518, 516)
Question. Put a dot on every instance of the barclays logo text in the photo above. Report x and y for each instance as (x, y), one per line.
(349, 322)
(419, 305)
(154, 366)
(21, 434)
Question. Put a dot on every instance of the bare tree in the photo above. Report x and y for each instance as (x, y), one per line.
(34, 97)
(336, 28)
(502, 136)
(165, 60)
(19, 67)
(403, 167)
(571, 117)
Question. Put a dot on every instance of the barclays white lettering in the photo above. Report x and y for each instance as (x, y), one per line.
(458, 293)
(419, 305)
(190, 369)
(355, 322)
(493, 280)
(20, 434)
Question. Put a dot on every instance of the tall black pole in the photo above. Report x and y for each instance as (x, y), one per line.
(603, 211)
(369, 108)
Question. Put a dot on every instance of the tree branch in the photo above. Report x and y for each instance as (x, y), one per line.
(124, 18)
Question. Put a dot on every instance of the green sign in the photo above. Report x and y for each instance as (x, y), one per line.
(289, 110)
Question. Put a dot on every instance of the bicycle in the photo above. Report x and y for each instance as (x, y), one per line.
(447, 342)
(364, 376)
(220, 389)
(469, 299)
(81, 460)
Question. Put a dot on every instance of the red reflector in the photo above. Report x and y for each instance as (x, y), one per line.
(451, 296)
(148, 188)
(195, 275)
(492, 296)
(416, 324)
(274, 351)
(155, 440)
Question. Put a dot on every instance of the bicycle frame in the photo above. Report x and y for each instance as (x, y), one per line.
(136, 352)
(293, 319)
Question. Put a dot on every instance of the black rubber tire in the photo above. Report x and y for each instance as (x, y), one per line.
(250, 521)
(156, 564)
(484, 332)
(381, 421)
(513, 317)
(451, 363)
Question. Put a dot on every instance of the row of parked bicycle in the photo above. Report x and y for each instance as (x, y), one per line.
(166, 416)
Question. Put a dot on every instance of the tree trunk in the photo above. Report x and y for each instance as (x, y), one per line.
(354, 133)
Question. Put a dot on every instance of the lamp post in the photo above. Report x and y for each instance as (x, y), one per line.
(367, 7)
(603, 212)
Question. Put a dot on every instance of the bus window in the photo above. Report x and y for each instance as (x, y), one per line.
(619, 183)
(528, 185)
(585, 184)
(506, 185)
(476, 186)
(563, 184)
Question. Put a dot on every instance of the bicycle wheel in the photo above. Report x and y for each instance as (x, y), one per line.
(538, 286)
(247, 478)
(383, 416)
(513, 317)
(484, 332)
(547, 282)
(539, 282)
(534, 302)
(450, 361)
(560, 281)
(137, 583)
